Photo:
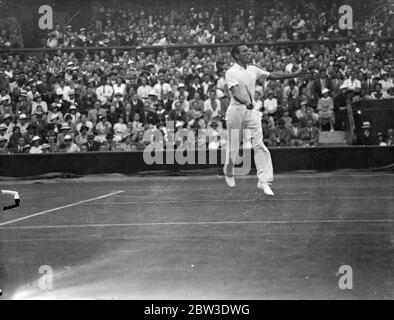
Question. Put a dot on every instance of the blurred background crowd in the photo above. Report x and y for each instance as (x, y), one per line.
(124, 100)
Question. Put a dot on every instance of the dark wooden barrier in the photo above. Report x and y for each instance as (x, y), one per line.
(284, 159)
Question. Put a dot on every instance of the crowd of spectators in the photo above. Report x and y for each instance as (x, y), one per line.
(154, 23)
(69, 102)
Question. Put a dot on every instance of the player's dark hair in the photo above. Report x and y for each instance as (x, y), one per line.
(235, 50)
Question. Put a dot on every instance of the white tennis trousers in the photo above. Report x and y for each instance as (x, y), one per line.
(244, 124)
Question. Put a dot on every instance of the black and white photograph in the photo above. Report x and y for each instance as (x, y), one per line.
(209, 152)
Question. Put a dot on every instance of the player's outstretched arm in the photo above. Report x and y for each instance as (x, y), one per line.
(282, 75)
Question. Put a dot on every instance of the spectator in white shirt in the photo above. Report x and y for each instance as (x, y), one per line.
(85, 122)
(36, 147)
(352, 83)
(181, 91)
(378, 94)
(212, 106)
(386, 82)
(69, 145)
(23, 124)
(144, 89)
(271, 103)
(105, 91)
(120, 129)
(120, 87)
(162, 87)
(39, 102)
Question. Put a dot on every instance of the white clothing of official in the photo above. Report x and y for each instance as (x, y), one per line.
(243, 122)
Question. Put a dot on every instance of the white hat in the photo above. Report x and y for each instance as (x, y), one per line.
(3, 126)
(68, 137)
(366, 124)
(181, 85)
(343, 86)
(65, 126)
(325, 90)
(152, 93)
(35, 138)
(22, 116)
(3, 139)
(73, 106)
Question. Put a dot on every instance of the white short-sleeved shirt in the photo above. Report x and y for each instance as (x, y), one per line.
(245, 79)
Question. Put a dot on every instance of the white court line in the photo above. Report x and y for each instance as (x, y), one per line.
(60, 208)
(196, 223)
(164, 189)
(250, 201)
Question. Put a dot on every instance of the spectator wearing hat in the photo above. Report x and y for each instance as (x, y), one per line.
(39, 102)
(7, 121)
(35, 148)
(69, 146)
(3, 145)
(22, 123)
(325, 107)
(4, 97)
(181, 91)
(74, 113)
(390, 137)
(91, 144)
(365, 136)
(54, 111)
(38, 120)
(46, 148)
(64, 130)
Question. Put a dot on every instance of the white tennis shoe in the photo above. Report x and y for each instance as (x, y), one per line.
(266, 188)
(230, 181)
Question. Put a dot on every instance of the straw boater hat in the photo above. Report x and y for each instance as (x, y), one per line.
(366, 124)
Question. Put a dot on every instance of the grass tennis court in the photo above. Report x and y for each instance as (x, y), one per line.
(192, 237)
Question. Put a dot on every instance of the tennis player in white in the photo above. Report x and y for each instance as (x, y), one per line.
(241, 80)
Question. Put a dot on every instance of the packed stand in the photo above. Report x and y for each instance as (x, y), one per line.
(154, 23)
(114, 101)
